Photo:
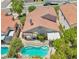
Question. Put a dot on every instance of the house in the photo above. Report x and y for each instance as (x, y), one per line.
(56, 1)
(32, 0)
(8, 27)
(43, 20)
(68, 15)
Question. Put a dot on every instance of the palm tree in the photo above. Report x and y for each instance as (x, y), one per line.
(17, 6)
(15, 46)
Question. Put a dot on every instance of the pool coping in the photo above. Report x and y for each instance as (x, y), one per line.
(4, 45)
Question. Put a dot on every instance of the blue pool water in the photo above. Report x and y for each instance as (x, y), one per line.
(35, 51)
(4, 50)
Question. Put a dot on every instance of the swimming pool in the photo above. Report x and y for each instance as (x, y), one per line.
(34, 51)
(4, 50)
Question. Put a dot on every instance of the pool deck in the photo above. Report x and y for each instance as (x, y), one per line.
(5, 55)
(4, 45)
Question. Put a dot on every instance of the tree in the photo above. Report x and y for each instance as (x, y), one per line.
(58, 55)
(64, 50)
(55, 56)
(15, 46)
(22, 18)
(70, 35)
(31, 8)
(17, 6)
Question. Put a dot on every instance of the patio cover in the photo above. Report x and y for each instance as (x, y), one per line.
(53, 36)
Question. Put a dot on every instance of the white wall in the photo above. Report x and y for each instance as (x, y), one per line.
(53, 36)
(63, 21)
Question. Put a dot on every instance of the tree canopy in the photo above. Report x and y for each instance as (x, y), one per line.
(15, 46)
(66, 46)
(31, 8)
(17, 6)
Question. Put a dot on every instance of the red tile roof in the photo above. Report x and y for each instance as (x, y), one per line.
(6, 21)
(37, 19)
(70, 12)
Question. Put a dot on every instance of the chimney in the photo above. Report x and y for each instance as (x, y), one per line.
(31, 23)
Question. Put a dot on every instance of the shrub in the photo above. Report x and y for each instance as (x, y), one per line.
(41, 37)
(31, 8)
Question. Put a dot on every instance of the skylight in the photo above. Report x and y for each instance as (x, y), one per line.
(49, 17)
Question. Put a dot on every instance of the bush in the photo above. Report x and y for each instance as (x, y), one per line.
(31, 8)
(41, 37)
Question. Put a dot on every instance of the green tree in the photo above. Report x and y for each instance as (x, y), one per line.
(31, 8)
(66, 46)
(22, 18)
(70, 35)
(17, 6)
(55, 56)
(15, 46)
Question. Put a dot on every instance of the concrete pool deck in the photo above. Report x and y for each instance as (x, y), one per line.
(4, 45)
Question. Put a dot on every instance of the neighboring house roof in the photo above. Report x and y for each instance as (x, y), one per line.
(37, 19)
(56, 1)
(70, 13)
(5, 3)
(6, 22)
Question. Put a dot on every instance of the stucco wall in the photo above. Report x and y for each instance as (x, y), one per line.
(63, 21)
